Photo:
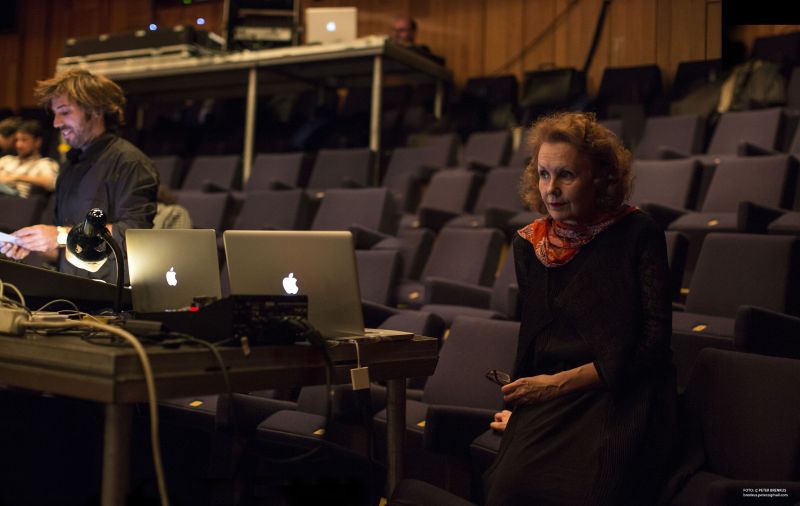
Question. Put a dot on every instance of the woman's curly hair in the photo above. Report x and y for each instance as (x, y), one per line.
(609, 160)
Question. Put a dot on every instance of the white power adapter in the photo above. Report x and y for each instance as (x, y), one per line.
(11, 320)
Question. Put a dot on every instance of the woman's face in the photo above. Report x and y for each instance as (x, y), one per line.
(565, 183)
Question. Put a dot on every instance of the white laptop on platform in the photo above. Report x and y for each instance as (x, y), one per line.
(325, 25)
(170, 267)
(320, 265)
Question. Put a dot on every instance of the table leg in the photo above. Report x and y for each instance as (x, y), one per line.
(376, 107)
(116, 458)
(395, 431)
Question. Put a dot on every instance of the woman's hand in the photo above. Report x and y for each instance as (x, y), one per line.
(533, 389)
(500, 420)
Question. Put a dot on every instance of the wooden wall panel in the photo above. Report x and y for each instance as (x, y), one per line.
(538, 34)
(713, 30)
(477, 37)
(10, 56)
(503, 28)
(33, 33)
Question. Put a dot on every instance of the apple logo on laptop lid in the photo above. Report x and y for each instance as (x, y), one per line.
(290, 284)
(172, 277)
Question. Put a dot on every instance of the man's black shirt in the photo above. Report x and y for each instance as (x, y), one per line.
(113, 175)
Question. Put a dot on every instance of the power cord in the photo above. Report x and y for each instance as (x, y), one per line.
(149, 381)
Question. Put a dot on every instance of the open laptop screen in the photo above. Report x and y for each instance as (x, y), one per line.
(170, 267)
(320, 265)
(330, 24)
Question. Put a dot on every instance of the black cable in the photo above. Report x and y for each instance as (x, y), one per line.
(222, 367)
(535, 42)
(598, 30)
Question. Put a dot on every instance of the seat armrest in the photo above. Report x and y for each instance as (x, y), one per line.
(661, 214)
(514, 302)
(375, 314)
(670, 153)
(445, 291)
(348, 182)
(726, 492)
(248, 411)
(747, 148)
(494, 217)
(366, 238)
(212, 187)
(276, 184)
(479, 167)
(426, 171)
(759, 330)
(451, 429)
(434, 219)
(755, 218)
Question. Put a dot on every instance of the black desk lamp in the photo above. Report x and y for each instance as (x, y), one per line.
(86, 249)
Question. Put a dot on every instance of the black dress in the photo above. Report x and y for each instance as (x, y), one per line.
(609, 306)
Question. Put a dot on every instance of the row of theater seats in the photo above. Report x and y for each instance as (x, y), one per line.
(741, 297)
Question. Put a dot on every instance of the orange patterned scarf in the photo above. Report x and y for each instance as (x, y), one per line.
(556, 242)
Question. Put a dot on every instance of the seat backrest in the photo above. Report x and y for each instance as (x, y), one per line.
(405, 160)
(336, 168)
(452, 190)
(407, 169)
(274, 210)
(488, 148)
(555, 87)
(677, 250)
(766, 180)
(500, 190)
(377, 275)
(468, 255)
(742, 408)
(168, 168)
(492, 90)
(207, 210)
(445, 145)
(793, 90)
(372, 208)
(502, 300)
(521, 156)
(473, 347)
(680, 133)
(18, 212)
(269, 168)
(691, 74)
(220, 170)
(782, 48)
(761, 127)
(673, 183)
(752, 269)
(614, 125)
(629, 85)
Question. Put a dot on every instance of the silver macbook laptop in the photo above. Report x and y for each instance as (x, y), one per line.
(320, 265)
(169, 267)
(331, 24)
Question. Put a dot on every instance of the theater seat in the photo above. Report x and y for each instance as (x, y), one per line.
(734, 270)
(740, 411)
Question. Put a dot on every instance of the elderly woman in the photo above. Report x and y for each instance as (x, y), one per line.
(594, 390)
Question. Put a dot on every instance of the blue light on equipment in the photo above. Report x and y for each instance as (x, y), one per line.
(201, 21)
(153, 27)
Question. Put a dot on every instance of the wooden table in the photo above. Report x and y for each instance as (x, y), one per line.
(68, 366)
